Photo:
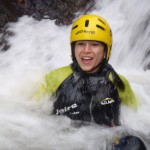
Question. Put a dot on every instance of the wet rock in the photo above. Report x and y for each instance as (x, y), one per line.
(5, 15)
(62, 11)
(3, 39)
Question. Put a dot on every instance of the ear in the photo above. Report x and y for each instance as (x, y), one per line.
(104, 55)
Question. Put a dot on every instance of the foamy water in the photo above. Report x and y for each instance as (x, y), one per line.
(38, 47)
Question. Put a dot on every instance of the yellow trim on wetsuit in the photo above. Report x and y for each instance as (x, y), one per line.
(54, 78)
(127, 95)
(52, 81)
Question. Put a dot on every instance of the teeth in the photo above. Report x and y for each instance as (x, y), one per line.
(87, 58)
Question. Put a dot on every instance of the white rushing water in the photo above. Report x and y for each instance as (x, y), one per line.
(38, 47)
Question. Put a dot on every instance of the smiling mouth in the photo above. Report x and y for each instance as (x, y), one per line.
(86, 60)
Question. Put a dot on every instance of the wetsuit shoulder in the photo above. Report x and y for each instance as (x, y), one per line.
(126, 95)
(52, 81)
(56, 77)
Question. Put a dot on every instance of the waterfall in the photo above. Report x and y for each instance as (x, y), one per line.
(39, 46)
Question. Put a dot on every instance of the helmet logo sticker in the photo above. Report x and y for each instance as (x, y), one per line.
(85, 31)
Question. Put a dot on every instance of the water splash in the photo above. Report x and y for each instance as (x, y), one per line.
(38, 47)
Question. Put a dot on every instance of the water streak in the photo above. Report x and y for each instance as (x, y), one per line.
(38, 47)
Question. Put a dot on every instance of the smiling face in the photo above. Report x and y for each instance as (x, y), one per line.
(89, 55)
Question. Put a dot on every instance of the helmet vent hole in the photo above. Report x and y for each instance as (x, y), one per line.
(101, 21)
(110, 32)
(75, 27)
(86, 23)
(98, 26)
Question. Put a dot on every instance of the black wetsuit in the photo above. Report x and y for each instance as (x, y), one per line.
(89, 97)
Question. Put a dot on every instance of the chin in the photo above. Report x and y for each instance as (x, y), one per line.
(88, 70)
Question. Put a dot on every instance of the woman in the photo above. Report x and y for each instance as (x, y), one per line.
(89, 89)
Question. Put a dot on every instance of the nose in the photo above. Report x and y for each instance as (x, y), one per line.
(87, 48)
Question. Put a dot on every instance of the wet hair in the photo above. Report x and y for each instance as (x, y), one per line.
(116, 79)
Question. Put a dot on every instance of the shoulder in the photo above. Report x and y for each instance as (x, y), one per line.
(52, 81)
(55, 77)
(65, 68)
(63, 71)
(126, 95)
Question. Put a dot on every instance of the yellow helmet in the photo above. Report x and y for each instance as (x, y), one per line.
(92, 27)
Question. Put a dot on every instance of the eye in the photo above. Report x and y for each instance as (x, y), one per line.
(95, 44)
(80, 43)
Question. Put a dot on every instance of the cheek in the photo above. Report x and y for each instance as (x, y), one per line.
(100, 54)
(76, 53)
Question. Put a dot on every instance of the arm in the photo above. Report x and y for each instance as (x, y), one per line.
(52, 81)
(126, 95)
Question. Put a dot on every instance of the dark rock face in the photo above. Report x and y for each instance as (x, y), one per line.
(5, 15)
(62, 11)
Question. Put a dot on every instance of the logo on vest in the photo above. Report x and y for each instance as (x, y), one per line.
(66, 109)
(107, 101)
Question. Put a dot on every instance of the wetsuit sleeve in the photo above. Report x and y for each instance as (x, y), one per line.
(51, 81)
(43, 87)
(127, 95)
